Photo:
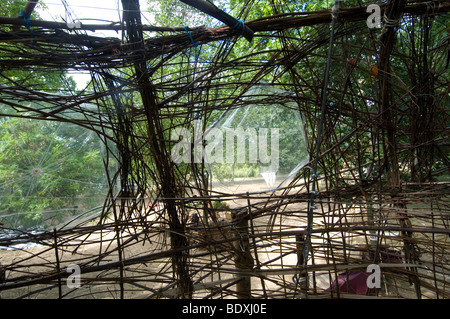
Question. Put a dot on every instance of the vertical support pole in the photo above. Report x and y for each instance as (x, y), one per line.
(2, 274)
(314, 192)
(255, 247)
(394, 12)
(58, 267)
(373, 237)
(300, 279)
(299, 241)
(158, 148)
(243, 259)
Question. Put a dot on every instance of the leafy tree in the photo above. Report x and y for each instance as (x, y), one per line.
(49, 171)
(38, 78)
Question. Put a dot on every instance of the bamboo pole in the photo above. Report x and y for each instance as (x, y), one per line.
(243, 258)
(58, 266)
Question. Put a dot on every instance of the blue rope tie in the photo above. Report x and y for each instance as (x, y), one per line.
(239, 24)
(27, 22)
(190, 36)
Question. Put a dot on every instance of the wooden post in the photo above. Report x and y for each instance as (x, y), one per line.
(243, 259)
(394, 12)
(58, 267)
(299, 241)
(2, 274)
(29, 7)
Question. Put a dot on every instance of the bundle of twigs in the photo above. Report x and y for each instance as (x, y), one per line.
(78, 50)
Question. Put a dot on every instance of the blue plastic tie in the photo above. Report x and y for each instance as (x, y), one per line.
(190, 36)
(239, 24)
(27, 22)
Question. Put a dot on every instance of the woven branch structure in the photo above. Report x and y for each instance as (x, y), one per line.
(374, 190)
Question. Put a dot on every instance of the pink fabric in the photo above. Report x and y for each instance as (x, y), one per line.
(357, 283)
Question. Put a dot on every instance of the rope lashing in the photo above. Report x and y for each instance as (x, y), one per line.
(27, 21)
(390, 23)
(239, 24)
(190, 36)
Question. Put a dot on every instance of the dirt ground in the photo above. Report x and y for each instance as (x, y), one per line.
(41, 259)
(276, 258)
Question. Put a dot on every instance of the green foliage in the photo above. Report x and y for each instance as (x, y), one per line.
(227, 172)
(38, 78)
(11, 8)
(220, 205)
(48, 171)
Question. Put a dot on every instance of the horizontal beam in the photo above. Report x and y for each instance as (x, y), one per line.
(271, 23)
(113, 26)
